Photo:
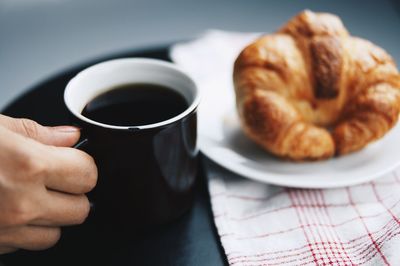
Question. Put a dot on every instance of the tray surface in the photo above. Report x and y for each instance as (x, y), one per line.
(190, 240)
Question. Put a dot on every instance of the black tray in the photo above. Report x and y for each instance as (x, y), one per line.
(189, 240)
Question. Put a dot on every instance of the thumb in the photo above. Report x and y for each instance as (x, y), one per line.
(65, 136)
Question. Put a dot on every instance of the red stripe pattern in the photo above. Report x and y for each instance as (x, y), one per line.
(261, 224)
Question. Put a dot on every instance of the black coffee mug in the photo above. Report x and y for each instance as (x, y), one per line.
(146, 172)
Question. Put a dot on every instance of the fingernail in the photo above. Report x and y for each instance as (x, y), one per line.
(66, 129)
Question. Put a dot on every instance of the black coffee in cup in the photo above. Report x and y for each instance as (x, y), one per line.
(142, 137)
(135, 104)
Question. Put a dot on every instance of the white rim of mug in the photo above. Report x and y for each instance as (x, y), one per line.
(192, 107)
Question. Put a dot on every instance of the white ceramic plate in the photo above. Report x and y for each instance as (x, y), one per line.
(209, 60)
(222, 140)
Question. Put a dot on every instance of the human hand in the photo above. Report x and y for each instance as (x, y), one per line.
(42, 183)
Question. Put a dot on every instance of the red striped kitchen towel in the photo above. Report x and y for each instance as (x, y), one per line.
(261, 224)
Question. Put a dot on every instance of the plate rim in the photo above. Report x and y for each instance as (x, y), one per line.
(280, 179)
(274, 181)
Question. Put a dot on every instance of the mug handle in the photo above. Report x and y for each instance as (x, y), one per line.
(81, 145)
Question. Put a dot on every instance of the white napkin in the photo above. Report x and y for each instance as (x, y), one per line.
(260, 224)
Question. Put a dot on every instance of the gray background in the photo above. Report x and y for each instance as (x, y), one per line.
(39, 38)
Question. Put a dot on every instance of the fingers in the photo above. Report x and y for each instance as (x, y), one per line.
(61, 209)
(71, 171)
(42, 185)
(29, 237)
(57, 136)
(58, 168)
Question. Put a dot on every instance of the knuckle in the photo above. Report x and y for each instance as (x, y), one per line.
(19, 213)
(36, 167)
(29, 127)
(31, 166)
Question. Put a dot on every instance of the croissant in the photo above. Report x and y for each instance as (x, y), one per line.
(311, 90)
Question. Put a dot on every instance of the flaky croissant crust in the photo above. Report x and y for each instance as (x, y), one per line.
(311, 90)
